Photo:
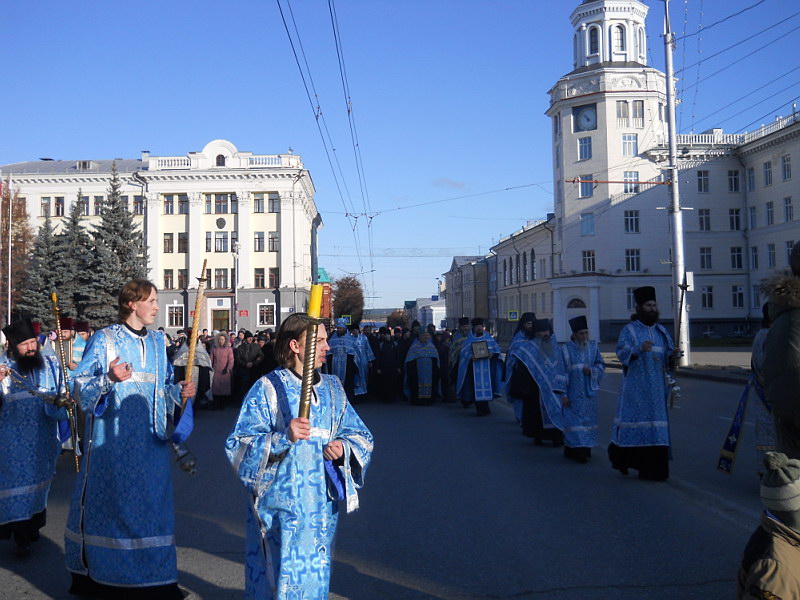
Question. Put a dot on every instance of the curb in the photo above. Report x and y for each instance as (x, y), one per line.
(696, 374)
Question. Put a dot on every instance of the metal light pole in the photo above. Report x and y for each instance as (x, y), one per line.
(678, 266)
(236, 286)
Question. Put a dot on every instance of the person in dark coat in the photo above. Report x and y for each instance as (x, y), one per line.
(781, 372)
(267, 362)
(387, 366)
(246, 355)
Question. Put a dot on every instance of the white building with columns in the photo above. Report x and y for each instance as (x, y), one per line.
(252, 217)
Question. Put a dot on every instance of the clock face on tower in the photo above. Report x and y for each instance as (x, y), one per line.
(584, 118)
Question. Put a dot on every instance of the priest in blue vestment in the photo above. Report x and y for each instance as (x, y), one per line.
(480, 369)
(422, 385)
(523, 333)
(364, 357)
(585, 369)
(640, 436)
(120, 535)
(342, 357)
(296, 471)
(538, 378)
(30, 383)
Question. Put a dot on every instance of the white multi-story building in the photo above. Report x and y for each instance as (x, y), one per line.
(251, 217)
(609, 147)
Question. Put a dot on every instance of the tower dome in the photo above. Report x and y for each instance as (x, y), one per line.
(609, 31)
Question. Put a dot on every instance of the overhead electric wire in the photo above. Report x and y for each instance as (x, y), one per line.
(699, 52)
(739, 43)
(770, 113)
(317, 117)
(736, 14)
(729, 65)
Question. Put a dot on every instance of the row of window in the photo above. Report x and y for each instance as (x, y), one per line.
(707, 297)
(515, 271)
(217, 241)
(266, 315)
(735, 215)
(55, 206)
(737, 257)
(220, 279)
(533, 302)
(734, 185)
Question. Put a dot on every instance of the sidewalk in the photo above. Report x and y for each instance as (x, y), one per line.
(728, 364)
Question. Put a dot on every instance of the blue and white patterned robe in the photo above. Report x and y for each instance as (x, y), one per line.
(29, 441)
(121, 525)
(516, 403)
(487, 373)
(422, 354)
(364, 356)
(548, 373)
(762, 413)
(340, 347)
(580, 417)
(292, 514)
(642, 418)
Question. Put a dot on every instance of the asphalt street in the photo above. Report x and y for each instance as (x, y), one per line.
(462, 507)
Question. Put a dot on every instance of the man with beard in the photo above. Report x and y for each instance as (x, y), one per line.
(29, 434)
(584, 368)
(480, 369)
(342, 357)
(120, 534)
(640, 436)
(364, 358)
(538, 379)
(524, 333)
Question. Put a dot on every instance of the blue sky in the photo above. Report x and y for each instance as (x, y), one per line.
(448, 100)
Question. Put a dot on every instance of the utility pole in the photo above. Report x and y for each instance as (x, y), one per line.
(678, 267)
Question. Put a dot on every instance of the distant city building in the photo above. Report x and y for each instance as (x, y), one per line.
(610, 232)
(252, 217)
(466, 289)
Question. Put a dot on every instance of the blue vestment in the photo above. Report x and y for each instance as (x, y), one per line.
(580, 417)
(547, 370)
(342, 346)
(293, 507)
(364, 356)
(487, 373)
(642, 418)
(121, 525)
(422, 354)
(29, 442)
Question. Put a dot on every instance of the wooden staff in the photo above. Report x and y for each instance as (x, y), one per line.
(310, 357)
(69, 402)
(198, 307)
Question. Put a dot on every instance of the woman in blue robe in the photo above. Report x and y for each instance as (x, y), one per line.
(295, 471)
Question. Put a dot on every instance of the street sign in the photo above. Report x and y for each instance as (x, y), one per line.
(513, 315)
(244, 313)
(348, 318)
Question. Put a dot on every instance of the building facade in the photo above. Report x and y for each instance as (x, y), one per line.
(466, 289)
(610, 230)
(251, 217)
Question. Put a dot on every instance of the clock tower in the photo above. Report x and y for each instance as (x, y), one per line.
(606, 113)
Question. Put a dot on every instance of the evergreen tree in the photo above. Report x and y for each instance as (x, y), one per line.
(72, 267)
(35, 301)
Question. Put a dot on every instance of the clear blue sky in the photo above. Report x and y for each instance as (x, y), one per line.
(448, 99)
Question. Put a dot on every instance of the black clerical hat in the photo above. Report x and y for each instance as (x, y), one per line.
(578, 324)
(19, 331)
(476, 321)
(644, 294)
(463, 321)
(541, 325)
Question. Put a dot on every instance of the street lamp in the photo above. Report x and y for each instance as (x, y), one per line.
(235, 282)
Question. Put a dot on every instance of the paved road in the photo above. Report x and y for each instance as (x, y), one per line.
(461, 507)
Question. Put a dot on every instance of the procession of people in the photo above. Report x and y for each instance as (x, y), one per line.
(119, 540)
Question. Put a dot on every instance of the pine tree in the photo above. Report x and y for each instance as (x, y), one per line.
(117, 258)
(72, 267)
(35, 301)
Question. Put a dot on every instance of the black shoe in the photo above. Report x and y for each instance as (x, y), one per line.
(23, 547)
(538, 442)
(623, 470)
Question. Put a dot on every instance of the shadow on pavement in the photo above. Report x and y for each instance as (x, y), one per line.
(348, 583)
(44, 569)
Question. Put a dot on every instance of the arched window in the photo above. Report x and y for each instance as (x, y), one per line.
(533, 264)
(524, 266)
(594, 40)
(576, 303)
(575, 49)
(619, 38)
(516, 270)
(505, 272)
(640, 36)
(220, 160)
